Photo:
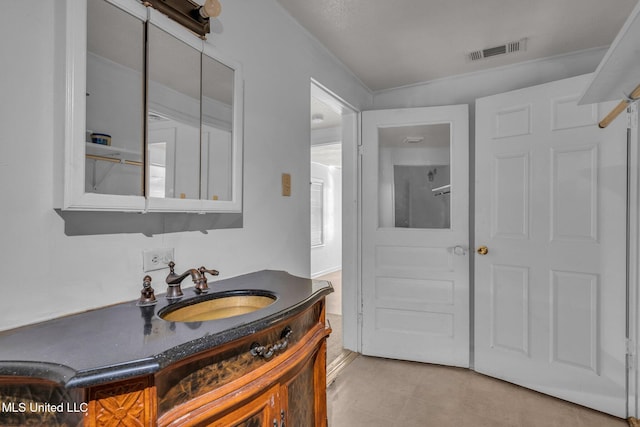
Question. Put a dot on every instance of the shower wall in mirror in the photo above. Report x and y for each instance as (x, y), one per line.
(421, 196)
(414, 176)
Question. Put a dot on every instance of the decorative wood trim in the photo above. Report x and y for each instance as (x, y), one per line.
(320, 385)
(262, 409)
(130, 403)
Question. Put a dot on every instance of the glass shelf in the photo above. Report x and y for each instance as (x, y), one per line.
(112, 154)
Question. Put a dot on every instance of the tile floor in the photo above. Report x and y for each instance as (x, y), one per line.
(334, 342)
(334, 299)
(375, 392)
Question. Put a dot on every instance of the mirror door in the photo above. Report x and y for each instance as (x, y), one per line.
(217, 130)
(174, 115)
(194, 123)
(153, 115)
(114, 101)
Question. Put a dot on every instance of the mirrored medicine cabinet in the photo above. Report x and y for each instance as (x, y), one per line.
(153, 114)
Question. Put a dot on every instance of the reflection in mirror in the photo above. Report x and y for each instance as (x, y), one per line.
(414, 176)
(217, 125)
(174, 117)
(115, 101)
(158, 169)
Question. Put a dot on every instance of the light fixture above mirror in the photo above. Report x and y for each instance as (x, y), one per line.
(188, 13)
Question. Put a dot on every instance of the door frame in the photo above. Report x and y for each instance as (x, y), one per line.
(633, 260)
(633, 249)
(351, 214)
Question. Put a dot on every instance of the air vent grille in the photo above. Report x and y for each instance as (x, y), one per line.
(510, 47)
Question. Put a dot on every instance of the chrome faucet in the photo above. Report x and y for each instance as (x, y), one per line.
(197, 275)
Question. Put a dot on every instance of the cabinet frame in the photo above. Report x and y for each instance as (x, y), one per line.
(73, 196)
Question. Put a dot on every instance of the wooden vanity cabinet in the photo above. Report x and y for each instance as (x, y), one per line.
(231, 387)
(253, 370)
(261, 411)
(289, 403)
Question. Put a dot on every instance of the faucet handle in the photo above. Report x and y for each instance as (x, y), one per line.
(172, 265)
(147, 296)
(201, 284)
(203, 270)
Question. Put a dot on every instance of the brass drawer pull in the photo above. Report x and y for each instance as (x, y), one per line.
(267, 351)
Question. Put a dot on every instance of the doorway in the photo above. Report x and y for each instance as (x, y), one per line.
(332, 138)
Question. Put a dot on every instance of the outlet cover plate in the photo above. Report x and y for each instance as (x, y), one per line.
(156, 259)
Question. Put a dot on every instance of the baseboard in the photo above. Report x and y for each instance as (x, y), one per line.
(339, 364)
(325, 272)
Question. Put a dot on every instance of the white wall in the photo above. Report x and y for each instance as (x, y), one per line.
(466, 88)
(49, 271)
(328, 257)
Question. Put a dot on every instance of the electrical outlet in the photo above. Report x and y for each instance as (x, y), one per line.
(156, 259)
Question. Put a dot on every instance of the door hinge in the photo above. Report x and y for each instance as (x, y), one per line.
(360, 150)
(630, 354)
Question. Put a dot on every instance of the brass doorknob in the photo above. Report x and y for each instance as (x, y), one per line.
(482, 250)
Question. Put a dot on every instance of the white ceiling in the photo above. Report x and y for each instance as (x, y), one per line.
(330, 117)
(390, 44)
(328, 155)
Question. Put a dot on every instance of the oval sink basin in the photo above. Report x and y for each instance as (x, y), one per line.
(216, 306)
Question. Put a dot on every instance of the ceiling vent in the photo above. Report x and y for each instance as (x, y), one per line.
(503, 49)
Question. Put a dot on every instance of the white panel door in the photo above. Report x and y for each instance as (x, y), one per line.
(550, 292)
(415, 279)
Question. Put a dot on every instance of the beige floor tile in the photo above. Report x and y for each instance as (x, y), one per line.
(380, 392)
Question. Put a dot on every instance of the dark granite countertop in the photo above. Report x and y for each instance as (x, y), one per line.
(124, 340)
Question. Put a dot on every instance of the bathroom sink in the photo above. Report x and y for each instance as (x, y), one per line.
(219, 305)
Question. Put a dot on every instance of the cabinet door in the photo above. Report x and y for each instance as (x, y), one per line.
(303, 396)
(259, 412)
